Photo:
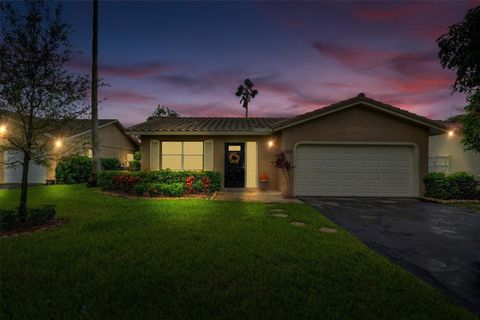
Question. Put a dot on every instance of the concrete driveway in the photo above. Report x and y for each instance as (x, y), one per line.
(439, 243)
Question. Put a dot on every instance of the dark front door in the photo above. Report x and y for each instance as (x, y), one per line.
(234, 165)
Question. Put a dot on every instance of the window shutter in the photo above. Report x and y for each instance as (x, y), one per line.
(208, 155)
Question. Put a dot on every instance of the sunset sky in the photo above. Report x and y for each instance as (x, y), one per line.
(191, 56)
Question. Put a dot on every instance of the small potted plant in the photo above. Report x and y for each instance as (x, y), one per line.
(264, 181)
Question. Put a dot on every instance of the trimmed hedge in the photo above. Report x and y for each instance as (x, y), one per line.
(110, 164)
(77, 169)
(159, 183)
(72, 170)
(35, 216)
(458, 186)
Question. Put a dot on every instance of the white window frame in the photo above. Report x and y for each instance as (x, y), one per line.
(182, 155)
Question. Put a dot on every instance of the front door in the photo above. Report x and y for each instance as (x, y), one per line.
(234, 165)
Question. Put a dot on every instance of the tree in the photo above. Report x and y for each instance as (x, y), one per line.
(471, 124)
(96, 164)
(162, 111)
(247, 93)
(460, 51)
(37, 94)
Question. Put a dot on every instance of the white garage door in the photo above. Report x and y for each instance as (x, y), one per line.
(36, 174)
(354, 170)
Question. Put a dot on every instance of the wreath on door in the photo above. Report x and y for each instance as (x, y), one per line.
(234, 158)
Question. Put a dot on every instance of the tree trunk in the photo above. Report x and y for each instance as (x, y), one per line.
(246, 112)
(22, 210)
(96, 165)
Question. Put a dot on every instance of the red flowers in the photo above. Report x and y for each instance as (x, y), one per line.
(189, 181)
(125, 183)
(206, 184)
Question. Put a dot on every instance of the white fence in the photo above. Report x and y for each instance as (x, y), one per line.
(439, 164)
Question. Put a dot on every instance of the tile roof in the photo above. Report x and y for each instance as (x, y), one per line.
(206, 124)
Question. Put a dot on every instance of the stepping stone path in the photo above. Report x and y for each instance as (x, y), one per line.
(280, 215)
(327, 230)
(298, 223)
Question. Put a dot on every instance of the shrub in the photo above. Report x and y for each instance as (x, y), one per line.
(435, 185)
(140, 189)
(163, 182)
(462, 185)
(74, 169)
(111, 164)
(176, 189)
(7, 219)
(135, 165)
(459, 185)
(37, 216)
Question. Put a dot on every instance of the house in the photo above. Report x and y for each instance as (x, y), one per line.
(114, 143)
(446, 154)
(356, 147)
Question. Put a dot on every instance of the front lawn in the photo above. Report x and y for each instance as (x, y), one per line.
(120, 258)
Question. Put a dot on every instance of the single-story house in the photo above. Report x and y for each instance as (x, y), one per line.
(447, 154)
(356, 147)
(114, 143)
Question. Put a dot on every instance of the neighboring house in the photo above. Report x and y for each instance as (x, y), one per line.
(446, 154)
(114, 143)
(356, 147)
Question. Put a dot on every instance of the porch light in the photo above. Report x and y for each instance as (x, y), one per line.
(3, 129)
(270, 143)
(451, 133)
(58, 143)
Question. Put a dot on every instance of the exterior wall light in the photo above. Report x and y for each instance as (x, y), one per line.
(270, 143)
(451, 133)
(58, 143)
(3, 129)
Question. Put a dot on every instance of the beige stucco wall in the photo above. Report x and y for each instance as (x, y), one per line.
(113, 144)
(361, 124)
(460, 160)
(265, 153)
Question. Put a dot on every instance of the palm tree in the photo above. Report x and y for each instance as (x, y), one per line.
(247, 93)
(96, 165)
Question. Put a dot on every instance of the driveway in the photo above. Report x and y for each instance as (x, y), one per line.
(439, 243)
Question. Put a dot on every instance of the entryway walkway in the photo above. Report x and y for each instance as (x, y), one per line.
(254, 195)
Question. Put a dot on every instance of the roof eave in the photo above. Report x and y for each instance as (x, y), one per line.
(199, 133)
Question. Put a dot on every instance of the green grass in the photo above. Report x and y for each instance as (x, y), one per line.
(120, 258)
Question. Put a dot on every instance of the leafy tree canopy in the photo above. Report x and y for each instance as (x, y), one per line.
(460, 51)
(162, 111)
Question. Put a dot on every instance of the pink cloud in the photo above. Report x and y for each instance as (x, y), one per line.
(353, 57)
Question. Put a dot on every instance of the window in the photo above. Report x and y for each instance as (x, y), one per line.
(182, 155)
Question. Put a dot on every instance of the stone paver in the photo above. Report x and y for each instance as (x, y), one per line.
(280, 215)
(298, 223)
(269, 196)
(276, 210)
(327, 230)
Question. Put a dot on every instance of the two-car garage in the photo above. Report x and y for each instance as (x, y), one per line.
(354, 170)
(358, 147)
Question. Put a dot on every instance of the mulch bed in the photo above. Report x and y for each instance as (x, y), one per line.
(25, 229)
(186, 196)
